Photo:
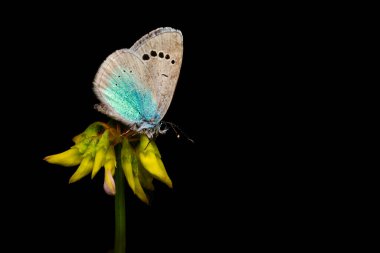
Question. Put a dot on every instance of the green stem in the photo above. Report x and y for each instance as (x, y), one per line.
(120, 235)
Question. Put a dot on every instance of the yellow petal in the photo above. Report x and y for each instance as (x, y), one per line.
(147, 145)
(127, 167)
(79, 138)
(146, 179)
(110, 161)
(101, 150)
(150, 158)
(99, 161)
(140, 192)
(155, 148)
(126, 162)
(84, 169)
(104, 141)
(154, 166)
(91, 149)
(83, 145)
(109, 183)
(91, 131)
(71, 157)
(137, 189)
(167, 181)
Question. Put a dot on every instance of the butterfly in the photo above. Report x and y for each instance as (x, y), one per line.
(136, 85)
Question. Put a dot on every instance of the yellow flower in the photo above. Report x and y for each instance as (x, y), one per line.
(71, 157)
(109, 166)
(84, 169)
(133, 171)
(95, 148)
(87, 163)
(92, 130)
(101, 150)
(126, 161)
(150, 158)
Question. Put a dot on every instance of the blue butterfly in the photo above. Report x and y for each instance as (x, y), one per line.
(136, 85)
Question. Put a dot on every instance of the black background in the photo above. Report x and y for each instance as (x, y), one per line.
(230, 186)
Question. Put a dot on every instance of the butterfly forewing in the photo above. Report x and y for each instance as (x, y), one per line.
(161, 50)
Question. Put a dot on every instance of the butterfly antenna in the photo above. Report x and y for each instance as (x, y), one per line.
(176, 133)
(175, 128)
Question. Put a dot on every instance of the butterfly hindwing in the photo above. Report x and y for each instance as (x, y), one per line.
(161, 50)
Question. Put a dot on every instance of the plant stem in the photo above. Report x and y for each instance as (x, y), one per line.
(120, 222)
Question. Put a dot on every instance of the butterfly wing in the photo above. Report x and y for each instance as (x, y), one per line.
(124, 86)
(161, 50)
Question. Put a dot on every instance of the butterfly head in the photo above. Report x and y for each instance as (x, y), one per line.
(151, 128)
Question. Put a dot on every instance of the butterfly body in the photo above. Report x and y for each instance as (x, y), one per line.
(136, 85)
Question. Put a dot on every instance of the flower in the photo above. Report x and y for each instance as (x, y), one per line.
(95, 148)
(150, 158)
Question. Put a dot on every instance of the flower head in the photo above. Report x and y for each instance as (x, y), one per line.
(95, 148)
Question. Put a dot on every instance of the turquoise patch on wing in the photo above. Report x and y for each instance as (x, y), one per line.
(130, 99)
